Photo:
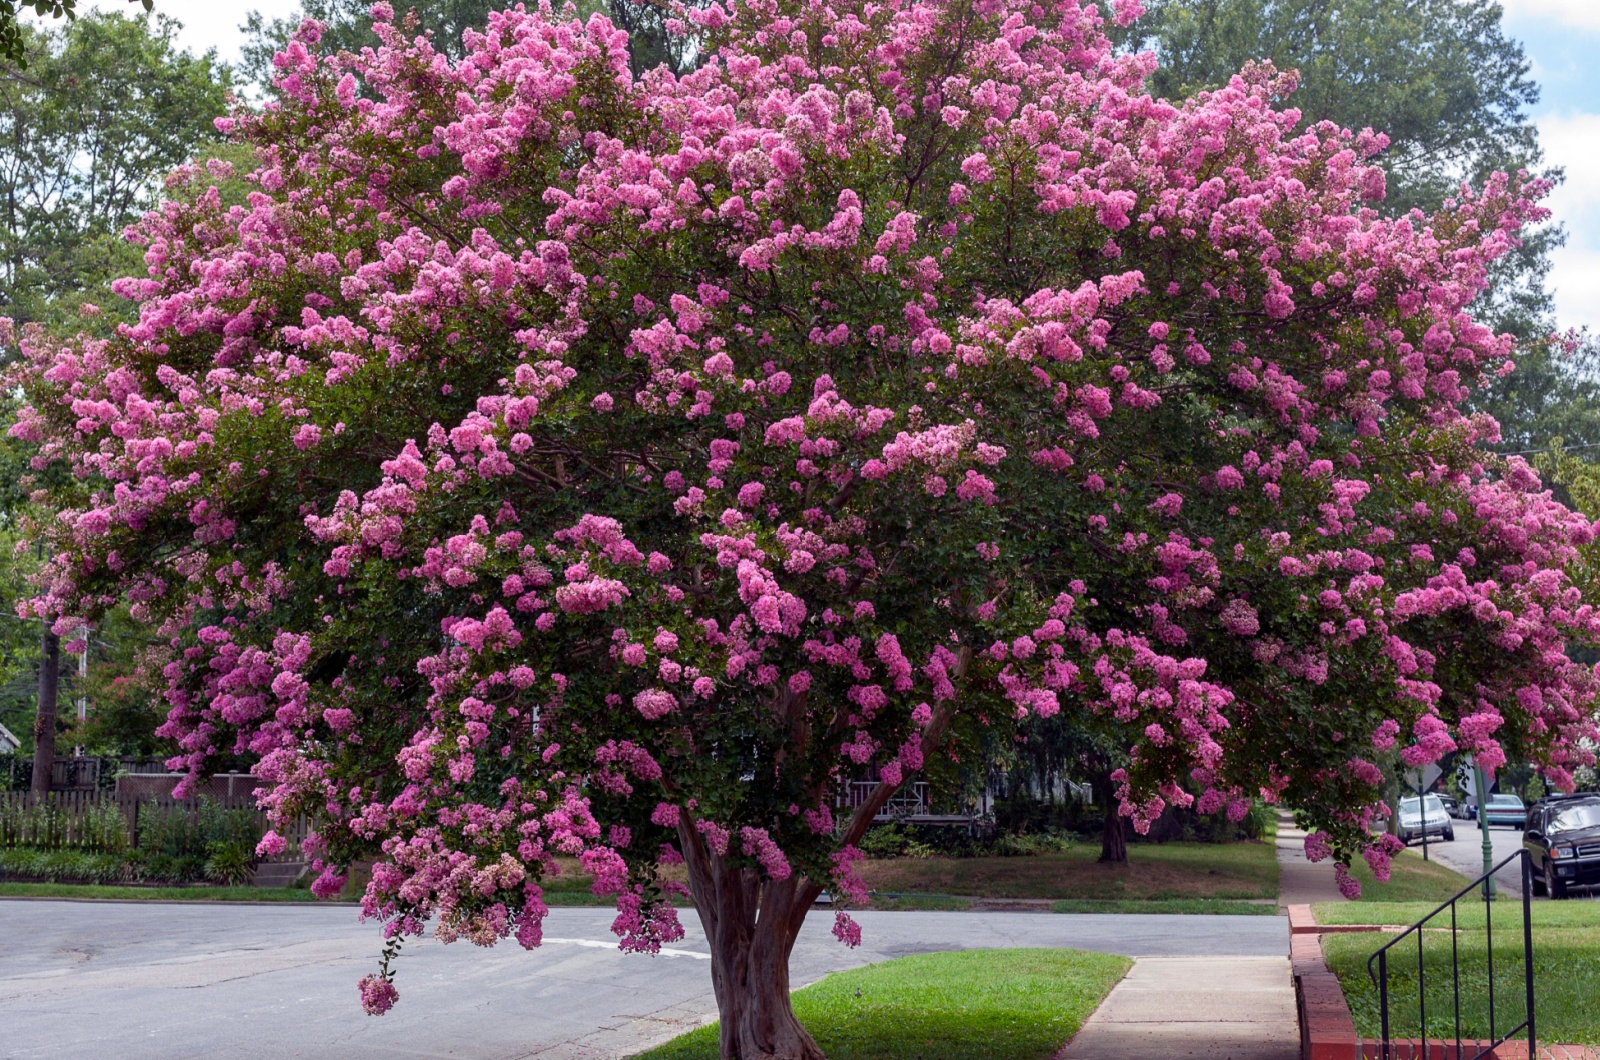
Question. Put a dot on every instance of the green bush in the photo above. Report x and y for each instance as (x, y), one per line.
(892, 841)
(180, 844)
(899, 840)
(61, 866)
(1025, 846)
(230, 864)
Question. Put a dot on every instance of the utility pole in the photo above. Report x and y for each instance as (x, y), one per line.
(83, 688)
(44, 720)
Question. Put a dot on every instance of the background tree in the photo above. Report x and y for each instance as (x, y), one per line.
(349, 28)
(104, 108)
(92, 117)
(549, 461)
(14, 34)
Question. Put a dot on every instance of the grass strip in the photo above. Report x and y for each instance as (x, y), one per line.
(972, 1005)
(935, 903)
(1161, 871)
(1410, 880)
(1215, 906)
(112, 892)
(1566, 954)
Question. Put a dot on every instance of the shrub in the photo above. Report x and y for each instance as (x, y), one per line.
(61, 866)
(182, 844)
(893, 841)
(1023, 846)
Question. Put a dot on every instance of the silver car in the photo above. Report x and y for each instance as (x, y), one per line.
(1426, 814)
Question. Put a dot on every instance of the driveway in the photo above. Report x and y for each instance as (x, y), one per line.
(149, 980)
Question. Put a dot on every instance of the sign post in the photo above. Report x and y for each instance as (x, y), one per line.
(1481, 789)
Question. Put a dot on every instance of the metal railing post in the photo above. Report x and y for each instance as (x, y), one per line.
(1380, 978)
(1383, 997)
(1527, 946)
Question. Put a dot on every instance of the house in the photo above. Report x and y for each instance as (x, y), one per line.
(8, 741)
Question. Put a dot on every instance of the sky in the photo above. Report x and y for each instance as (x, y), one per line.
(1561, 37)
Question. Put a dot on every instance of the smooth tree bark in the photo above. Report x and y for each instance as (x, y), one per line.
(751, 925)
(752, 921)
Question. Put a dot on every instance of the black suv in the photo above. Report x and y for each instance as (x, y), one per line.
(1563, 838)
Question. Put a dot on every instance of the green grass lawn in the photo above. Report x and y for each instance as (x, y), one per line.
(1410, 880)
(1155, 871)
(161, 894)
(927, 1007)
(1566, 958)
(1159, 878)
(1226, 906)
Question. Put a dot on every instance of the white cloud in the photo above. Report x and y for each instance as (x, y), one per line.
(1572, 141)
(1575, 275)
(207, 23)
(1581, 13)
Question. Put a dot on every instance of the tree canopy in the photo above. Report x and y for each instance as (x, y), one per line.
(544, 460)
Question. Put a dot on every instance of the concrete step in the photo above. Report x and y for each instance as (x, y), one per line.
(279, 873)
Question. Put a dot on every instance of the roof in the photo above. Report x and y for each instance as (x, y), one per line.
(8, 741)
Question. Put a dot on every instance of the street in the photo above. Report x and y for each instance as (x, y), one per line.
(1465, 855)
(168, 981)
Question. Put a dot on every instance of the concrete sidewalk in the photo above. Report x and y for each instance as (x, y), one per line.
(1200, 1008)
(1299, 881)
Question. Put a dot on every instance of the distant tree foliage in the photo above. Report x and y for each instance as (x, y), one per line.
(1440, 77)
(13, 37)
(349, 28)
(104, 108)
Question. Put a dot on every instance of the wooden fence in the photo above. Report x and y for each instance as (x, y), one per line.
(69, 773)
(83, 819)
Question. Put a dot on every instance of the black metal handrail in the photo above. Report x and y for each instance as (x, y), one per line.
(1381, 978)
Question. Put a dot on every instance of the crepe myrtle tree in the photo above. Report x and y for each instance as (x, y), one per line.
(545, 461)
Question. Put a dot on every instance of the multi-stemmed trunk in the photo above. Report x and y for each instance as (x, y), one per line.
(751, 921)
(751, 925)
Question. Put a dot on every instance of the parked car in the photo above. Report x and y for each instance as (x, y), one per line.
(1426, 814)
(1563, 837)
(1505, 809)
(1451, 806)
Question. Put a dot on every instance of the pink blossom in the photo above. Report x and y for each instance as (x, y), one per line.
(378, 994)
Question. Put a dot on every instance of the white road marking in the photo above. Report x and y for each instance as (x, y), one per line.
(603, 945)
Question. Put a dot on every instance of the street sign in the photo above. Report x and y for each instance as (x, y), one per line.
(1424, 779)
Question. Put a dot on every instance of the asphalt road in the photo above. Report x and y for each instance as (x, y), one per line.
(1465, 855)
(147, 980)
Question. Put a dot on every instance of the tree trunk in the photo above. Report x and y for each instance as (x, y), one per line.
(751, 922)
(1113, 841)
(751, 925)
(44, 720)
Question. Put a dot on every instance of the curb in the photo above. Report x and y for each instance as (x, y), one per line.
(1326, 1030)
(1302, 922)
